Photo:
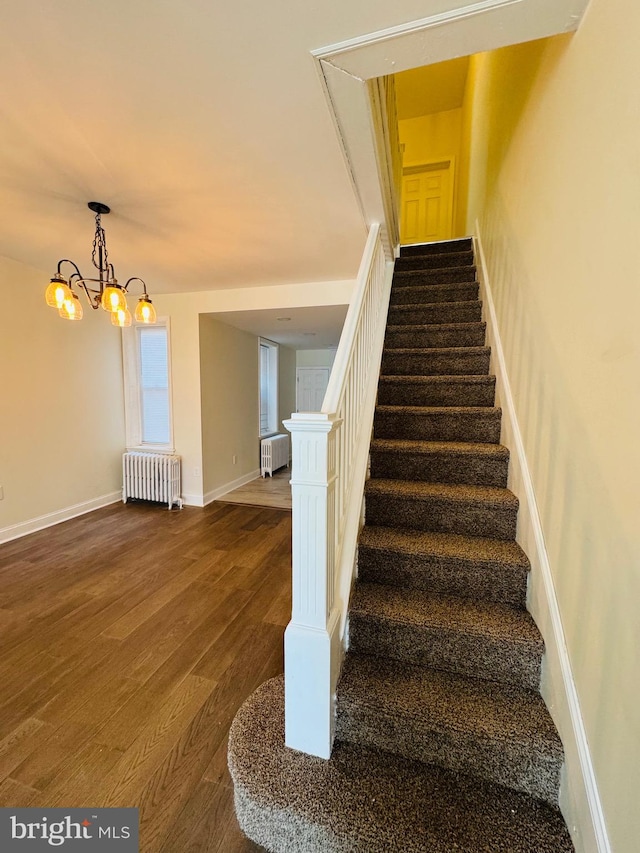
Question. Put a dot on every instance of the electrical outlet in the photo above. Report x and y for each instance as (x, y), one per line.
(196, 472)
(1, 493)
(235, 459)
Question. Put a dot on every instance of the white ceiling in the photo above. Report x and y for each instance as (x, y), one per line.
(203, 125)
(298, 328)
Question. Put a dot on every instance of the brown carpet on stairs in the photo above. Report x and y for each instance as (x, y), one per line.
(443, 741)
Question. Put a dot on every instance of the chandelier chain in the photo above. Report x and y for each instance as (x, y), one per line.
(100, 242)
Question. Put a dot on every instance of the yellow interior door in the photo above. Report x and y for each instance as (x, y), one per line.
(427, 203)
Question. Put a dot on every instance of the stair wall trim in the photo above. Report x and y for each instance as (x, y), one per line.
(579, 797)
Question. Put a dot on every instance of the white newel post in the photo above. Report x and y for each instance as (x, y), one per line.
(311, 641)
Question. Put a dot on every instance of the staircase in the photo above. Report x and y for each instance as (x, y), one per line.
(443, 742)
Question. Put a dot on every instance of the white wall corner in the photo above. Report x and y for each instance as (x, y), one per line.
(216, 494)
(579, 797)
(32, 525)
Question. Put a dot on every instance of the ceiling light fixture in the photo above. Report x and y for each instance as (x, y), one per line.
(108, 294)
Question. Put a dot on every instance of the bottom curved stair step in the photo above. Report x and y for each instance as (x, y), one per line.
(369, 801)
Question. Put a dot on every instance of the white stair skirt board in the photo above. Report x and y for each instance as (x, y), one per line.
(32, 525)
(579, 798)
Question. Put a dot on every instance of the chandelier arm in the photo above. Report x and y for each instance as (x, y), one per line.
(136, 278)
(93, 296)
(74, 265)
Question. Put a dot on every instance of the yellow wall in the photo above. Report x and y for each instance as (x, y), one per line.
(434, 137)
(430, 137)
(61, 404)
(554, 181)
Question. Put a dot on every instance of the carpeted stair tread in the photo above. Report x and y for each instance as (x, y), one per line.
(407, 351)
(488, 552)
(461, 448)
(474, 463)
(464, 244)
(439, 423)
(433, 293)
(443, 259)
(446, 507)
(466, 311)
(445, 361)
(443, 390)
(444, 563)
(455, 493)
(477, 639)
(433, 275)
(497, 731)
(436, 335)
(369, 801)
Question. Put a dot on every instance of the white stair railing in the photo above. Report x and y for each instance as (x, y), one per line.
(330, 452)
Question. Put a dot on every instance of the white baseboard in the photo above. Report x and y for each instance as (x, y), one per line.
(192, 500)
(24, 528)
(579, 798)
(215, 494)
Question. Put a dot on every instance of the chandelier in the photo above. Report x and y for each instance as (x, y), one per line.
(101, 291)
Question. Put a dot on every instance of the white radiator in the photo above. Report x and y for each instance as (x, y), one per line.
(274, 453)
(151, 477)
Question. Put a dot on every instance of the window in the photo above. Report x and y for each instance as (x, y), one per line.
(154, 385)
(148, 386)
(268, 367)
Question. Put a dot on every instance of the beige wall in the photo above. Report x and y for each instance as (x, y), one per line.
(229, 403)
(286, 384)
(61, 403)
(554, 179)
(184, 310)
(315, 357)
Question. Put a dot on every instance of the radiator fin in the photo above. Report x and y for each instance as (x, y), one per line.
(151, 477)
(274, 453)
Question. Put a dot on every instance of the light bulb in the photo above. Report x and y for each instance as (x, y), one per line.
(113, 298)
(56, 293)
(71, 308)
(145, 312)
(121, 318)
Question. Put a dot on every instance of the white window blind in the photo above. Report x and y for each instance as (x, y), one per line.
(265, 381)
(268, 388)
(154, 385)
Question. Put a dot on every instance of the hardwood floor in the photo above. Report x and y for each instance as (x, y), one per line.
(128, 639)
(268, 491)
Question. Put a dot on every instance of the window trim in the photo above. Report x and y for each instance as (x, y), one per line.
(274, 391)
(132, 395)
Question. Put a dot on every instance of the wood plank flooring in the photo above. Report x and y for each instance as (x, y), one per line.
(128, 639)
(264, 491)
